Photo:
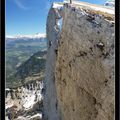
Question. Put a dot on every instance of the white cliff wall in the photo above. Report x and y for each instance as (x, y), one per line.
(80, 77)
(51, 111)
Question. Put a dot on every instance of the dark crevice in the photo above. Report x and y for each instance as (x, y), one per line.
(64, 81)
(56, 51)
(81, 54)
(100, 46)
(105, 82)
(69, 64)
(105, 55)
(56, 104)
(90, 18)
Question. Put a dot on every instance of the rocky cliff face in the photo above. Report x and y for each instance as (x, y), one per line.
(25, 102)
(50, 100)
(80, 63)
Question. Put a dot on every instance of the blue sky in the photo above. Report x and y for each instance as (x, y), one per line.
(29, 16)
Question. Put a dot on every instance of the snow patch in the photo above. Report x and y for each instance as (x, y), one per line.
(59, 23)
(38, 35)
(56, 5)
(7, 89)
(36, 115)
(8, 106)
(29, 102)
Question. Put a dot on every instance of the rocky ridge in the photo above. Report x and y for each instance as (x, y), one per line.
(25, 102)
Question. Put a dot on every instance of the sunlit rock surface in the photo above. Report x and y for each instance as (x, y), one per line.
(80, 63)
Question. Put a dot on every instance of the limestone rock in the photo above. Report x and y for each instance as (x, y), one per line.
(80, 76)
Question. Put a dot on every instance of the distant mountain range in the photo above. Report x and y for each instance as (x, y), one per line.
(18, 37)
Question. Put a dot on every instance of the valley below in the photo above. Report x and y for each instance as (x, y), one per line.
(25, 71)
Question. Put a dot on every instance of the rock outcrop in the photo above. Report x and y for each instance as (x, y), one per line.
(25, 102)
(79, 82)
(50, 100)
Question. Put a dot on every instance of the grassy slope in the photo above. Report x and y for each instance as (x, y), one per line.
(24, 56)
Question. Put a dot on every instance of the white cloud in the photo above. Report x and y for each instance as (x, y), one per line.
(21, 5)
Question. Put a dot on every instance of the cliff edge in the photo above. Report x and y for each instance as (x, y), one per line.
(79, 82)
